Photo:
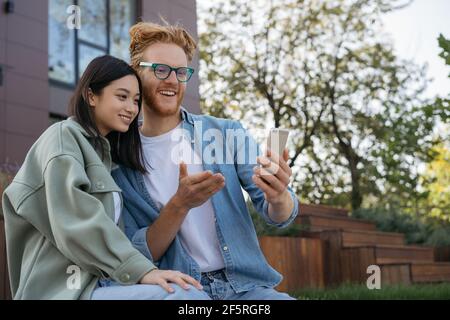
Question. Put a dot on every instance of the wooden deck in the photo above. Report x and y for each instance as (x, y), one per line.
(351, 245)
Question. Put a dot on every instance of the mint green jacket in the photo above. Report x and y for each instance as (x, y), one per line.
(59, 220)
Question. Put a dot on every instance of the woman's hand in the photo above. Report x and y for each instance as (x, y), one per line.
(163, 277)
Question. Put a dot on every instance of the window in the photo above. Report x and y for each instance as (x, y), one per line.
(104, 30)
(123, 15)
(61, 44)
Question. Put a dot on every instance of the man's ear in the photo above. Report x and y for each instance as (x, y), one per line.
(141, 73)
(91, 98)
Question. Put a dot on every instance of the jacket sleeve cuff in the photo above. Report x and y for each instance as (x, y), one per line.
(132, 270)
(283, 224)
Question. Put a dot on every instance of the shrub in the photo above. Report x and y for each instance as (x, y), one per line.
(7, 173)
(417, 230)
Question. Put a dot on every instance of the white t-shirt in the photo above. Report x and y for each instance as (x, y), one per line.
(117, 206)
(198, 233)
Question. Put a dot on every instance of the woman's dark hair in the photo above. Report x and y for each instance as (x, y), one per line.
(126, 148)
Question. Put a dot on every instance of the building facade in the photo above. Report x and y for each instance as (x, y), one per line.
(43, 54)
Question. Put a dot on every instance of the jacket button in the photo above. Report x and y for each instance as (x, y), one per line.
(100, 185)
(125, 277)
(225, 248)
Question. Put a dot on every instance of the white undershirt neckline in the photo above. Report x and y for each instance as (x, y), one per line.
(117, 207)
(197, 234)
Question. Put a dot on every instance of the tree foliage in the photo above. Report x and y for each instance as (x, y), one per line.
(437, 183)
(436, 178)
(325, 70)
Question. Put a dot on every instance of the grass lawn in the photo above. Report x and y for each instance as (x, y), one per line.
(360, 292)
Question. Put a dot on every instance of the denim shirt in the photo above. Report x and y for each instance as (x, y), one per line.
(245, 264)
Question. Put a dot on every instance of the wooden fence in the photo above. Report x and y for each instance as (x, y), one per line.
(442, 253)
(299, 260)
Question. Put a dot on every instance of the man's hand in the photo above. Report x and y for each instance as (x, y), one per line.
(194, 190)
(273, 176)
(162, 277)
(273, 179)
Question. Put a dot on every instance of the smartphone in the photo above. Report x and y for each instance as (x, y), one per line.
(277, 140)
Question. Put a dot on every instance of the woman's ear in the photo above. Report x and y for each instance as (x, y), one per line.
(91, 98)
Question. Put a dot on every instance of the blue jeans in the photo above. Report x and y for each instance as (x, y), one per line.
(110, 290)
(216, 285)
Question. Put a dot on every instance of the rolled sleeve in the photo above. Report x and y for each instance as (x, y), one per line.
(139, 241)
(291, 218)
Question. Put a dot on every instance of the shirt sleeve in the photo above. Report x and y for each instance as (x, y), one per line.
(137, 235)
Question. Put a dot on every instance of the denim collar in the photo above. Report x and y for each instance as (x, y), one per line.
(186, 116)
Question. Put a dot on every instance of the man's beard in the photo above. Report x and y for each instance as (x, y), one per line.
(151, 103)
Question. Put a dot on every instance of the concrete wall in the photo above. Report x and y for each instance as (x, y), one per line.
(24, 93)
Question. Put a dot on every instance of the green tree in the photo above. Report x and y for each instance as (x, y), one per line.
(436, 179)
(442, 105)
(437, 182)
(325, 70)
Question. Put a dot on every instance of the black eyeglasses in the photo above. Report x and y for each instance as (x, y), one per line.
(163, 71)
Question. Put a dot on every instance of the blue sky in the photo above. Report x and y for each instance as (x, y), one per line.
(414, 31)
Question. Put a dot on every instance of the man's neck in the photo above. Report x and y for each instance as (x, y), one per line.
(155, 125)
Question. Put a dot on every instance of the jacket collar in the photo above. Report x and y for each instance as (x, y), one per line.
(186, 116)
(72, 122)
(75, 124)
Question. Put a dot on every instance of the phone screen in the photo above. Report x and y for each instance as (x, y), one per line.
(277, 140)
